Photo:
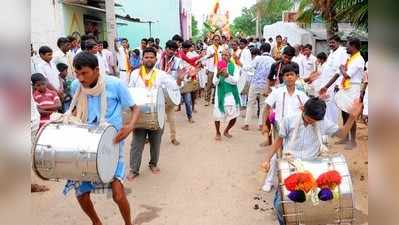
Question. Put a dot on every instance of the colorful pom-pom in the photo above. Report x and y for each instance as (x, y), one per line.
(325, 194)
(297, 196)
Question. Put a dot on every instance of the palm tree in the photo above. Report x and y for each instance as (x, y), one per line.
(334, 11)
(308, 9)
(354, 11)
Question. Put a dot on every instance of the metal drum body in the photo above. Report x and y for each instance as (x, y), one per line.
(336, 211)
(152, 107)
(76, 152)
(172, 96)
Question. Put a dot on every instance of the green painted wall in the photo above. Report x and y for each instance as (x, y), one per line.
(164, 11)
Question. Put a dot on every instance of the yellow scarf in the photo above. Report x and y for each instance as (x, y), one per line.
(148, 78)
(216, 55)
(346, 81)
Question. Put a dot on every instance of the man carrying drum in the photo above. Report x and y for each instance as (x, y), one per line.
(149, 77)
(170, 64)
(90, 90)
(300, 136)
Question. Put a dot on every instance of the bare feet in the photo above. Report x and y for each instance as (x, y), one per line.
(175, 142)
(264, 144)
(218, 137)
(155, 169)
(260, 128)
(38, 188)
(132, 176)
(195, 111)
(206, 103)
(226, 134)
(191, 120)
(245, 127)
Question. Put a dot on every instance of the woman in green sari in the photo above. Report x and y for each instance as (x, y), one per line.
(227, 97)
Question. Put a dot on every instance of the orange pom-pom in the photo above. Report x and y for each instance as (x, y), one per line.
(300, 181)
(329, 179)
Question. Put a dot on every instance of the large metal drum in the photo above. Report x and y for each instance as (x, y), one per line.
(76, 152)
(337, 211)
(152, 107)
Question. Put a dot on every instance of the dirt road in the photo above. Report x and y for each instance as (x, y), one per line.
(202, 182)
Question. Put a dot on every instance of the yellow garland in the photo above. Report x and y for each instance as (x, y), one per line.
(149, 79)
(346, 81)
(216, 55)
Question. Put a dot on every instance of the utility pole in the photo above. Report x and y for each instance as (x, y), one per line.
(258, 18)
(111, 23)
(150, 24)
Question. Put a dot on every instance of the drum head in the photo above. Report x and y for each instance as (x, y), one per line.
(107, 155)
(172, 96)
(161, 108)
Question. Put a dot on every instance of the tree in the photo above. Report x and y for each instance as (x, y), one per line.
(354, 11)
(194, 27)
(270, 12)
(332, 12)
(244, 24)
(308, 9)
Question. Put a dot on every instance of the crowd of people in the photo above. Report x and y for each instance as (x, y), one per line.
(289, 90)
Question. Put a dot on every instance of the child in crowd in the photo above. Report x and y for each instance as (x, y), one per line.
(66, 85)
(134, 59)
(46, 99)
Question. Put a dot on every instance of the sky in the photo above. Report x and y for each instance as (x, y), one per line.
(200, 8)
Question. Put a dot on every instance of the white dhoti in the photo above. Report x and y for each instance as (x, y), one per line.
(231, 108)
(366, 102)
(202, 78)
(344, 98)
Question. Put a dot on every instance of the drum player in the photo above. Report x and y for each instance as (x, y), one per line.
(300, 136)
(170, 64)
(148, 76)
(285, 101)
(89, 90)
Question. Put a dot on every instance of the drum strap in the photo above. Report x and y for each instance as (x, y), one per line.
(283, 112)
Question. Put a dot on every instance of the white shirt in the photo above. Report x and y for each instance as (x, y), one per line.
(291, 103)
(102, 63)
(122, 59)
(356, 70)
(109, 56)
(60, 57)
(246, 60)
(331, 67)
(161, 81)
(210, 51)
(306, 144)
(306, 65)
(49, 70)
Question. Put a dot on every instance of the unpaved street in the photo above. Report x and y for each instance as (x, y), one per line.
(202, 182)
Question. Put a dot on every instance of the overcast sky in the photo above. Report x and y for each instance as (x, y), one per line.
(201, 8)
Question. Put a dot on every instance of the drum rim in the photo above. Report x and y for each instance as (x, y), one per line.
(34, 148)
(106, 126)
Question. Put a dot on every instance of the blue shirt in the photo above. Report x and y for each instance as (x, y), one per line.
(118, 97)
(262, 65)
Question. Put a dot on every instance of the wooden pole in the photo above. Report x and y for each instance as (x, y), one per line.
(111, 24)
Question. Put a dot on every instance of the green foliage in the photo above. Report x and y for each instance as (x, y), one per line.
(244, 24)
(354, 11)
(270, 12)
(194, 27)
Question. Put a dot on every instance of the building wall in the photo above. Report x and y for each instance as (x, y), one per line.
(46, 23)
(166, 12)
(74, 20)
